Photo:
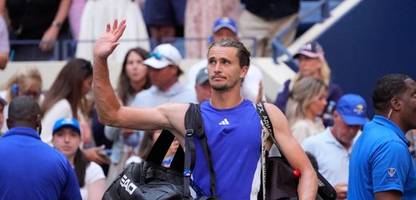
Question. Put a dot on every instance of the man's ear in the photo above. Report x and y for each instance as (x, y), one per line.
(396, 104)
(244, 71)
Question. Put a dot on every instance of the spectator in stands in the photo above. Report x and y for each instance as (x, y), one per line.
(332, 147)
(305, 106)
(226, 28)
(165, 19)
(43, 20)
(202, 86)
(381, 166)
(4, 44)
(134, 78)
(66, 97)
(67, 139)
(264, 19)
(312, 63)
(164, 74)
(95, 16)
(27, 81)
(3, 104)
(31, 169)
(199, 17)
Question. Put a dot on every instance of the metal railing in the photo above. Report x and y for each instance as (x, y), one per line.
(279, 48)
(65, 48)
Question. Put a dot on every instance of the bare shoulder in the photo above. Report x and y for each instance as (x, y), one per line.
(278, 119)
(274, 112)
(175, 114)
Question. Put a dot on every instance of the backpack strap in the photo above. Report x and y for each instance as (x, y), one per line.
(160, 147)
(195, 126)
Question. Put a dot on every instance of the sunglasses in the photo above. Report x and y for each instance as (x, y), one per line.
(161, 57)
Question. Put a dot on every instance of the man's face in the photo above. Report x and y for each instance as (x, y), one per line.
(408, 108)
(343, 132)
(224, 33)
(224, 68)
(161, 78)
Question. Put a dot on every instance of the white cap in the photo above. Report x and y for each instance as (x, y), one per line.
(162, 56)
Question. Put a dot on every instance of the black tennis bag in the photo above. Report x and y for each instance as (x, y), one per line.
(149, 180)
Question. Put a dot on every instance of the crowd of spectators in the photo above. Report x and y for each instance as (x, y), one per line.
(323, 120)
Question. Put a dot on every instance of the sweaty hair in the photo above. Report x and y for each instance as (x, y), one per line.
(242, 53)
(24, 109)
(386, 88)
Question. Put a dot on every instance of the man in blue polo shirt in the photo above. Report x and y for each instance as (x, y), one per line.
(29, 168)
(381, 166)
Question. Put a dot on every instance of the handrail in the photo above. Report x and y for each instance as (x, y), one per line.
(278, 47)
(65, 48)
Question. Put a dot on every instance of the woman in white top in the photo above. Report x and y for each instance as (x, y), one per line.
(307, 101)
(66, 97)
(67, 138)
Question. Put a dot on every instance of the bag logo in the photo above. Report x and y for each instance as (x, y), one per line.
(127, 185)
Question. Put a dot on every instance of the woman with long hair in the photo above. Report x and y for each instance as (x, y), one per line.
(26, 81)
(134, 77)
(66, 97)
(67, 139)
(312, 63)
(306, 103)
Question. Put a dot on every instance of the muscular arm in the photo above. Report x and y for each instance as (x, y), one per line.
(308, 182)
(109, 109)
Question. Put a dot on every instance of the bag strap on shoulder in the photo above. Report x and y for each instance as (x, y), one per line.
(195, 126)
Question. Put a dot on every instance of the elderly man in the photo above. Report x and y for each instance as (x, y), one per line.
(164, 75)
(332, 147)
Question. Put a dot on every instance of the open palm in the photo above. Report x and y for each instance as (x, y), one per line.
(106, 44)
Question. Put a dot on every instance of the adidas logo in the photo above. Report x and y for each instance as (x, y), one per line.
(224, 122)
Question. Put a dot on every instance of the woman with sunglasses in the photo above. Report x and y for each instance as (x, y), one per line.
(66, 98)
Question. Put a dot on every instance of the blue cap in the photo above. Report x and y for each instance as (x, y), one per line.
(225, 22)
(66, 122)
(353, 109)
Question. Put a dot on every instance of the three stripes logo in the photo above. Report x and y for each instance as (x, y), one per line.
(224, 122)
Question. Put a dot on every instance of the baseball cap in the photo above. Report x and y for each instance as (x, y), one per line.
(225, 22)
(312, 50)
(353, 109)
(66, 122)
(202, 76)
(162, 56)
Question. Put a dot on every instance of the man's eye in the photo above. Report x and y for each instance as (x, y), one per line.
(211, 62)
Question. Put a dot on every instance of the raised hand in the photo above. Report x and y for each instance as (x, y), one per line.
(106, 44)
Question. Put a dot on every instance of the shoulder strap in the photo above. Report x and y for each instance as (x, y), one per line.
(160, 147)
(195, 125)
(261, 110)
